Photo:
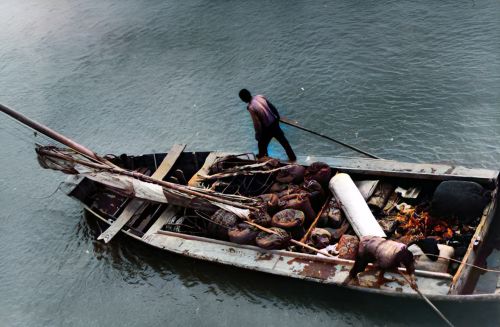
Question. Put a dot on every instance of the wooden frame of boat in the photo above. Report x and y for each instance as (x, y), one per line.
(437, 286)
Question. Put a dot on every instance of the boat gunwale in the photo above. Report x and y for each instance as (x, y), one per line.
(464, 271)
(434, 297)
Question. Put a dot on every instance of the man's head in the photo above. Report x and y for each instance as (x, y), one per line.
(245, 95)
(405, 257)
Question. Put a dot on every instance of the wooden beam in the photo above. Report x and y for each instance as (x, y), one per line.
(135, 204)
(209, 161)
(167, 214)
(121, 221)
(313, 225)
(169, 161)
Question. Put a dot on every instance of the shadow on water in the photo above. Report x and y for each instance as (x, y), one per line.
(138, 263)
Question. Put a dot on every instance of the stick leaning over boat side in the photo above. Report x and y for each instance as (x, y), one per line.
(295, 124)
(315, 222)
(53, 135)
(440, 314)
(267, 230)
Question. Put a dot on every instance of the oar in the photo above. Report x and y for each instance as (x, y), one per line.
(436, 310)
(295, 124)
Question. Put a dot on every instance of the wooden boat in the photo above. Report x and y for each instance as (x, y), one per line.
(114, 191)
(143, 221)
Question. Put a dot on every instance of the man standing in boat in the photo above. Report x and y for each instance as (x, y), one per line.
(266, 121)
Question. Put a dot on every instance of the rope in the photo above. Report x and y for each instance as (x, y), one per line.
(17, 134)
(35, 132)
(467, 264)
(48, 196)
(415, 288)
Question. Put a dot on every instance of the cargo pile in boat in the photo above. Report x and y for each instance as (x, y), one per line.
(296, 203)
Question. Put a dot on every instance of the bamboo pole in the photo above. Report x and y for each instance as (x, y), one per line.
(296, 125)
(267, 230)
(440, 314)
(315, 222)
(50, 133)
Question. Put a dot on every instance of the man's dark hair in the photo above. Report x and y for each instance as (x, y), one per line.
(245, 95)
(405, 257)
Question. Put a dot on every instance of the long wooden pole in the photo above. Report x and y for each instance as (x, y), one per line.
(50, 133)
(295, 124)
(315, 222)
(440, 314)
(270, 231)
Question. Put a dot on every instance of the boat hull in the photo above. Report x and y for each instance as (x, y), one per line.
(297, 265)
(329, 271)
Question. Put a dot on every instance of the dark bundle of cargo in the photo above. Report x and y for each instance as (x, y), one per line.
(280, 186)
(290, 197)
(447, 213)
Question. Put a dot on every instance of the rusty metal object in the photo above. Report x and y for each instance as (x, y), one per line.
(348, 247)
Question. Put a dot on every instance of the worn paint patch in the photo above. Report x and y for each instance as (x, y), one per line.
(314, 269)
(450, 170)
(263, 256)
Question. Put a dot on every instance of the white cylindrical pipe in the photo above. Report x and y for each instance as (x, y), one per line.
(354, 205)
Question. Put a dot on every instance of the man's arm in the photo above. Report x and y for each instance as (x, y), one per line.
(273, 109)
(256, 124)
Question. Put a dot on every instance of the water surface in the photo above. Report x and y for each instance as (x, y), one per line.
(413, 81)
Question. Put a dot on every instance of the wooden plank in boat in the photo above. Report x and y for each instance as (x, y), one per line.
(121, 221)
(405, 169)
(152, 215)
(169, 212)
(135, 204)
(211, 158)
(466, 277)
(169, 161)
